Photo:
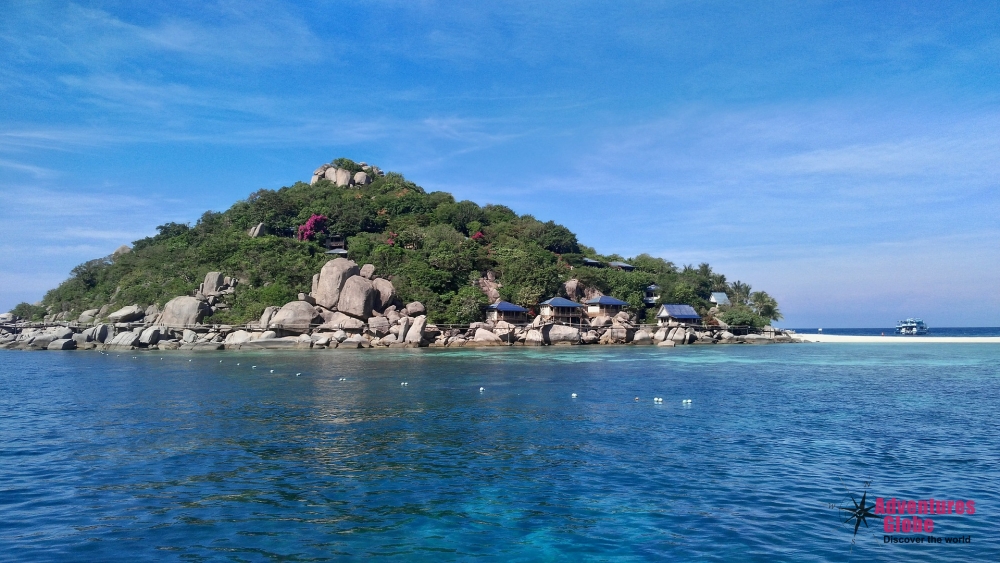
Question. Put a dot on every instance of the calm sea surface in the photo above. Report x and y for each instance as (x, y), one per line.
(191, 457)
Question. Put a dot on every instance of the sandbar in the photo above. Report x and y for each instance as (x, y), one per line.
(899, 339)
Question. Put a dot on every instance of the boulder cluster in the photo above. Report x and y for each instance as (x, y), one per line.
(344, 177)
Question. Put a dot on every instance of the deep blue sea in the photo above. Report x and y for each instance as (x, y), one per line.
(201, 457)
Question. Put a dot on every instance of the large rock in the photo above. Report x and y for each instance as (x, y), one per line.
(257, 230)
(330, 174)
(660, 335)
(127, 314)
(642, 337)
(62, 344)
(356, 297)
(236, 338)
(561, 334)
(213, 282)
(342, 177)
(416, 332)
(534, 337)
(123, 341)
(378, 325)
(98, 333)
(150, 336)
(404, 326)
(267, 315)
(183, 311)
(486, 338)
(87, 316)
(361, 179)
(600, 321)
(340, 321)
(295, 317)
(367, 271)
(332, 278)
(61, 332)
(415, 308)
(385, 293)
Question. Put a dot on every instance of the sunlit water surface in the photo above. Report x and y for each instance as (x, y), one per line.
(194, 457)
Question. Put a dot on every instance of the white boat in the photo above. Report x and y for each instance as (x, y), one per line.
(911, 327)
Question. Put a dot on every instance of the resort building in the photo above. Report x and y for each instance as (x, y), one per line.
(621, 266)
(651, 294)
(593, 263)
(677, 313)
(604, 305)
(719, 298)
(336, 245)
(504, 311)
(561, 310)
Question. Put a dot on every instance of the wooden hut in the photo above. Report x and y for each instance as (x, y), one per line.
(677, 313)
(504, 311)
(604, 305)
(561, 310)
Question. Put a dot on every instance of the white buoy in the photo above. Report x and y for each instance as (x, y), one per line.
(298, 374)
(272, 371)
(253, 367)
(573, 396)
(481, 389)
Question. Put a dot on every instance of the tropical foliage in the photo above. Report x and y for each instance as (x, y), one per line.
(432, 247)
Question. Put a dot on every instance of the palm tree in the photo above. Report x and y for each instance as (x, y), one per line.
(765, 306)
(739, 293)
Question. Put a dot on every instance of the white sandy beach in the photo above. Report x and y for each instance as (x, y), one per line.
(900, 339)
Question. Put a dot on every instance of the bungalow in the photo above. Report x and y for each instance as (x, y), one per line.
(621, 266)
(604, 305)
(719, 298)
(504, 311)
(593, 263)
(560, 309)
(336, 245)
(677, 313)
(651, 294)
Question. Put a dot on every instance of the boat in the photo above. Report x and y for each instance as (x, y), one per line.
(911, 327)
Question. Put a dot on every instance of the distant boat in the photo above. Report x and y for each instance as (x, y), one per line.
(911, 327)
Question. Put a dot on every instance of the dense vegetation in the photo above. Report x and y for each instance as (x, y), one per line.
(431, 246)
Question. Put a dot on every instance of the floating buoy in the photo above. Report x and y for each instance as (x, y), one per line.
(637, 398)
(481, 389)
(253, 367)
(272, 371)
(298, 374)
(573, 396)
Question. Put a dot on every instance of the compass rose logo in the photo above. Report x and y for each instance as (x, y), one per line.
(860, 512)
(855, 511)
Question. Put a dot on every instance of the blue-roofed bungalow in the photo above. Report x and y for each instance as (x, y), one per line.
(560, 309)
(621, 266)
(604, 305)
(719, 298)
(504, 311)
(677, 313)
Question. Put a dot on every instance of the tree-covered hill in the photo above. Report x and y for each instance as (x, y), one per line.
(433, 247)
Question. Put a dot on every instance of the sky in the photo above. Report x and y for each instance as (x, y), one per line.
(842, 156)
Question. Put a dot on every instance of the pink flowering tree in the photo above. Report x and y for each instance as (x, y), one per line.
(313, 227)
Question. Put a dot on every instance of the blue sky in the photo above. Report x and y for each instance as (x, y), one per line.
(841, 156)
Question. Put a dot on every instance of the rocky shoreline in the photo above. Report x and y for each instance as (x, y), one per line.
(348, 307)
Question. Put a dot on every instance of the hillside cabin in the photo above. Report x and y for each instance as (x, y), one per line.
(336, 245)
(604, 306)
(651, 295)
(593, 263)
(561, 310)
(621, 266)
(677, 313)
(719, 298)
(504, 311)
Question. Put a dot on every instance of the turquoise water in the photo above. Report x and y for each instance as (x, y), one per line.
(181, 457)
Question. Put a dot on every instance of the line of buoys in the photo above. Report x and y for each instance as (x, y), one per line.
(657, 400)
(686, 402)
(404, 383)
